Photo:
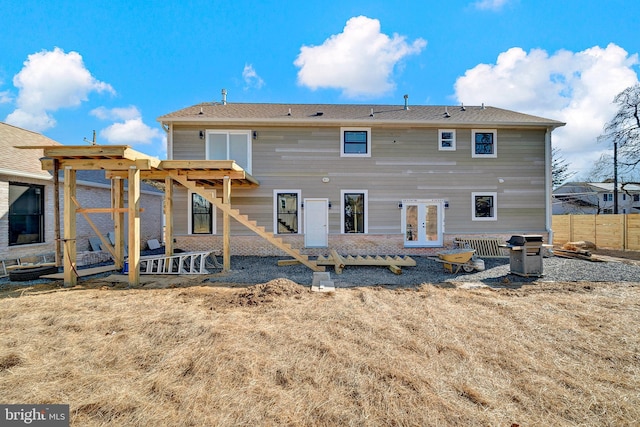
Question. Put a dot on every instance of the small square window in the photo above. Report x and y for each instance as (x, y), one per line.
(636, 197)
(484, 206)
(355, 142)
(484, 143)
(446, 140)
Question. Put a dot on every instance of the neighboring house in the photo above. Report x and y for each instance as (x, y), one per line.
(595, 198)
(366, 179)
(27, 199)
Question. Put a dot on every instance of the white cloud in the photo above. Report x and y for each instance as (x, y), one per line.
(574, 87)
(49, 81)
(490, 4)
(359, 61)
(130, 131)
(251, 78)
(126, 113)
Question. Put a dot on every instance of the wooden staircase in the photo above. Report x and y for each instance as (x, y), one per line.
(250, 224)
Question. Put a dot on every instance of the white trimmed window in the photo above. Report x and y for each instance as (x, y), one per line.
(607, 197)
(202, 218)
(484, 206)
(354, 212)
(286, 211)
(355, 142)
(230, 145)
(484, 143)
(446, 139)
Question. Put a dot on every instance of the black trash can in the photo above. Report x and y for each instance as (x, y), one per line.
(525, 255)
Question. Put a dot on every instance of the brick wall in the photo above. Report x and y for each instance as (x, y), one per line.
(88, 197)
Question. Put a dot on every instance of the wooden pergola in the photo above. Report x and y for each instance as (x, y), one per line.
(121, 162)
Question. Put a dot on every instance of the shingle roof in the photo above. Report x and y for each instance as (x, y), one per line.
(331, 114)
(14, 160)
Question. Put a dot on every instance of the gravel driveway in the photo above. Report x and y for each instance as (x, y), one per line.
(263, 269)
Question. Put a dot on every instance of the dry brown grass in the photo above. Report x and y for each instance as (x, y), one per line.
(276, 354)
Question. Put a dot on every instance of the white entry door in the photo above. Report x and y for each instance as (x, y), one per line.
(316, 223)
(423, 223)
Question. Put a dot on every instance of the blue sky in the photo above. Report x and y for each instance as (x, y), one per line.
(69, 67)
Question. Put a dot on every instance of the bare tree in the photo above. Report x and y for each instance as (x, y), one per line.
(623, 131)
(560, 172)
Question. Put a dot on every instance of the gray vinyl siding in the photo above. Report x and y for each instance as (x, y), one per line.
(405, 163)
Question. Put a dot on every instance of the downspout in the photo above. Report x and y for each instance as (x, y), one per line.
(168, 129)
(548, 181)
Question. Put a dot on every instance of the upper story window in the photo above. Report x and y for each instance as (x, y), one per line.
(355, 142)
(484, 143)
(484, 206)
(287, 211)
(354, 211)
(607, 197)
(446, 140)
(230, 145)
(636, 197)
(26, 214)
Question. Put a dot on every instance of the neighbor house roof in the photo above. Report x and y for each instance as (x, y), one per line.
(362, 115)
(19, 162)
(594, 187)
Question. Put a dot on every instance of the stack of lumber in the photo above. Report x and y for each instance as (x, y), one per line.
(577, 250)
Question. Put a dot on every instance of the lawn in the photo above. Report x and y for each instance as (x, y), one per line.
(558, 354)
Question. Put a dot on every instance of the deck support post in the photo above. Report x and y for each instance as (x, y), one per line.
(168, 215)
(226, 233)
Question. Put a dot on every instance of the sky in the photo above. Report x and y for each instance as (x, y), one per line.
(68, 68)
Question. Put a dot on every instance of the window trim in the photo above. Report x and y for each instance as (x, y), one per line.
(494, 205)
(441, 140)
(41, 216)
(366, 209)
(229, 132)
(495, 144)
(355, 129)
(275, 211)
(190, 216)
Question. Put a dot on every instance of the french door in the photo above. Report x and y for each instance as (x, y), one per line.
(423, 223)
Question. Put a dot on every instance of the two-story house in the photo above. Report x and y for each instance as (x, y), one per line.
(365, 179)
(595, 198)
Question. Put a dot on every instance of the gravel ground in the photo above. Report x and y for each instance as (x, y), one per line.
(253, 270)
(497, 271)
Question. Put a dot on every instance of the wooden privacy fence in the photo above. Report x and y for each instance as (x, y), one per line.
(606, 231)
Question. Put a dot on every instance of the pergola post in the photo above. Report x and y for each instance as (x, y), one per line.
(226, 232)
(134, 225)
(70, 251)
(117, 186)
